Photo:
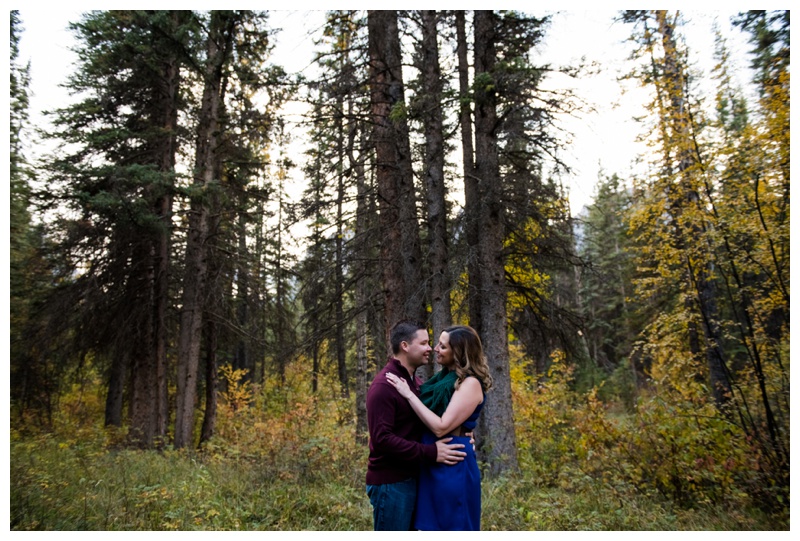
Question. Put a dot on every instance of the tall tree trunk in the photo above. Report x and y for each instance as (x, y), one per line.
(149, 406)
(497, 420)
(215, 297)
(315, 367)
(438, 255)
(259, 304)
(401, 255)
(143, 369)
(116, 388)
(281, 349)
(362, 291)
(362, 253)
(161, 303)
(470, 179)
(312, 298)
(341, 358)
(210, 414)
(242, 359)
(196, 265)
(169, 99)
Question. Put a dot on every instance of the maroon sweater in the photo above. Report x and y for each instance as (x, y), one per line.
(395, 452)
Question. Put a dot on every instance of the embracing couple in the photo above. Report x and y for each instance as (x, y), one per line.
(422, 472)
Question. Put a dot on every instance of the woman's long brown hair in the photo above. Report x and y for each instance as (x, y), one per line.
(468, 355)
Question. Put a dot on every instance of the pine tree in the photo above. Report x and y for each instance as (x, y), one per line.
(221, 28)
(335, 164)
(230, 132)
(400, 247)
(430, 107)
(538, 248)
(117, 186)
(496, 422)
(20, 218)
(470, 222)
(33, 372)
(606, 281)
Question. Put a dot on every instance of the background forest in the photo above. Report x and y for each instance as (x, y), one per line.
(176, 363)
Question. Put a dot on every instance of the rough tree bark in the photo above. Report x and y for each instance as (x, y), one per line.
(401, 255)
(362, 287)
(210, 413)
(149, 406)
(433, 121)
(218, 47)
(143, 366)
(169, 99)
(497, 421)
(341, 358)
(470, 178)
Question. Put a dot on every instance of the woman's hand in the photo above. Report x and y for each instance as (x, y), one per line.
(400, 384)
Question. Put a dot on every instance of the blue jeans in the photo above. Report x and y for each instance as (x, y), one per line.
(393, 505)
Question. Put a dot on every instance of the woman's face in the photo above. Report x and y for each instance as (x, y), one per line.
(444, 355)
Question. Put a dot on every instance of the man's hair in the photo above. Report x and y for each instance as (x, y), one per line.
(403, 331)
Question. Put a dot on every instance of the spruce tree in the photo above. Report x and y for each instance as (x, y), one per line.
(115, 179)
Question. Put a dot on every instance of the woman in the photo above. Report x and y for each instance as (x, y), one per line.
(449, 497)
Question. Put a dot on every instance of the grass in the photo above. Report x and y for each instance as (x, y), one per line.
(283, 460)
(585, 504)
(57, 487)
(86, 486)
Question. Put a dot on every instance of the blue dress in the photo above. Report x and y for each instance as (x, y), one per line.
(449, 497)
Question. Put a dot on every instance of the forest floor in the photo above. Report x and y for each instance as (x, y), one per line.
(86, 482)
(284, 459)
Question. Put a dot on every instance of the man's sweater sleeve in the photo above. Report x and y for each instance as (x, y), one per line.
(381, 408)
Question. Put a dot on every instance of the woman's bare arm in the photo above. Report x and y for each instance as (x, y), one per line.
(464, 401)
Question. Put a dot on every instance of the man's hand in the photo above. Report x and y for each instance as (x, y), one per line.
(471, 436)
(446, 452)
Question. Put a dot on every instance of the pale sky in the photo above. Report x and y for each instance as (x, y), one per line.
(604, 139)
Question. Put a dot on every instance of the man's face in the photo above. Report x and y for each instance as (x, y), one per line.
(419, 349)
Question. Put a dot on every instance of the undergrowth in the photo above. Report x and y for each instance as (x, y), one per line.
(284, 460)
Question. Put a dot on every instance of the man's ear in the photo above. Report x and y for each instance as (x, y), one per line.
(404, 345)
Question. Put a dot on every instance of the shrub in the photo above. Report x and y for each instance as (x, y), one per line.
(686, 451)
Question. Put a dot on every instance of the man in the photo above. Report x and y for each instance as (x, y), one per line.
(395, 451)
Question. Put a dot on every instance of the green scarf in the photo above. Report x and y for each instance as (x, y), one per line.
(437, 391)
